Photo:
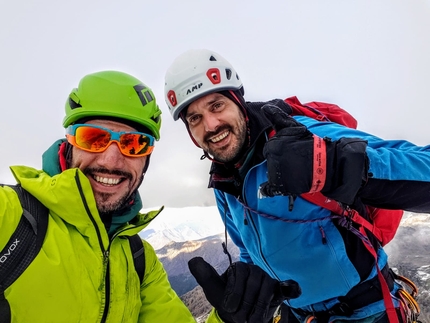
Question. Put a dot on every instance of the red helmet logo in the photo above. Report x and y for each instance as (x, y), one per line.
(171, 96)
(214, 75)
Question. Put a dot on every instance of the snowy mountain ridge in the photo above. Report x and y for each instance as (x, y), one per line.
(183, 224)
(196, 222)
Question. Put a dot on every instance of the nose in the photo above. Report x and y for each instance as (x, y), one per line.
(111, 157)
(211, 122)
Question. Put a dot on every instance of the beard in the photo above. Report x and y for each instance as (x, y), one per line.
(231, 152)
(105, 206)
(104, 202)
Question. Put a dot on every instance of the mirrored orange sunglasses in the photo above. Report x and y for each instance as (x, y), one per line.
(97, 139)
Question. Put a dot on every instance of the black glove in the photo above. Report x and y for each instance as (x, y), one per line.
(244, 292)
(299, 162)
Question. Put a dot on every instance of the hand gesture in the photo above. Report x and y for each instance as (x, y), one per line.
(244, 292)
(299, 162)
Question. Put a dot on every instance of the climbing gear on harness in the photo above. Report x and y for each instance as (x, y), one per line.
(407, 297)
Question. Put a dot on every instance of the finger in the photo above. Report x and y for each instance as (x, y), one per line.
(276, 116)
(207, 277)
(237, 278)
(268, 298)
(249, 283)
(290, 289)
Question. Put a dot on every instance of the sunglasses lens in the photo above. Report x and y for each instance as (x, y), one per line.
(97, 139)
(134, 144)
(93, 139)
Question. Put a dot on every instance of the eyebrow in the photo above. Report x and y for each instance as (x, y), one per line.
(217, 97)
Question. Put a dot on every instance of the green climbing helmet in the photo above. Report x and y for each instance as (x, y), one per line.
(117, 95)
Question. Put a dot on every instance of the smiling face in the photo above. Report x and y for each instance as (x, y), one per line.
(113, 176)
(217, 125)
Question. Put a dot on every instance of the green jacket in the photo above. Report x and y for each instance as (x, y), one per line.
(80, 270)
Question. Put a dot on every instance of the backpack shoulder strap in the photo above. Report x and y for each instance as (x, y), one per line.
(136, 245)
(333, 206)
(23, 246)
(26, 242)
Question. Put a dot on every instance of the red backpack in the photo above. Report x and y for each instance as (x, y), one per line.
(383, 223)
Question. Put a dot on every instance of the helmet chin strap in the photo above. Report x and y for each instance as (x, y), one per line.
(65, 155)
(206, 155)
(182, 116)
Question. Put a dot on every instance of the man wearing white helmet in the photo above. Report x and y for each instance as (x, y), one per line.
(263, 160)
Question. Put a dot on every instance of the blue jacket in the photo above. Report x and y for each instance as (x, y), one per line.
(305, 244)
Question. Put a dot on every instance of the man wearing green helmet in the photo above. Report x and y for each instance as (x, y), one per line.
(85, 270)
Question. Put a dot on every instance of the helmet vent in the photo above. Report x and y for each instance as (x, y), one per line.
(212, 58)
(73, 104)
(143, 93)
(148, 96)
(228, 73)
(213, 75)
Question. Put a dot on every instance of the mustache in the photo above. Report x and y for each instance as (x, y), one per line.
(217, 131)
(106, 171)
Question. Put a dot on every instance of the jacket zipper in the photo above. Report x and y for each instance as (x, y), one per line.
(247, 214)
(105, 252)
(107, 285)
(254, 227)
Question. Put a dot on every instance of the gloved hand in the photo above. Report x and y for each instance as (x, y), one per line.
(299, 162)
(244, 292)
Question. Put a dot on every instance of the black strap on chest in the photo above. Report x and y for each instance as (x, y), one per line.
(136, 245)
(23, 246)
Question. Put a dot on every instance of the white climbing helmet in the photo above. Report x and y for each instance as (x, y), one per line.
(194, 74)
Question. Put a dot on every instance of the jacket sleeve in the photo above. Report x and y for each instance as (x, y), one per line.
(160, 303)
(399, 171)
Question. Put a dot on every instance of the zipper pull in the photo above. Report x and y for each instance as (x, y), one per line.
(224, 247)
(324, 238)
(106, 257)
(290, 202)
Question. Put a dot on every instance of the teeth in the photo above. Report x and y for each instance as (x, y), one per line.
(105, 180)
(220, 137)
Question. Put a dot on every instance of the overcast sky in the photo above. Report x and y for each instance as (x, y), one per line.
(370, 57)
